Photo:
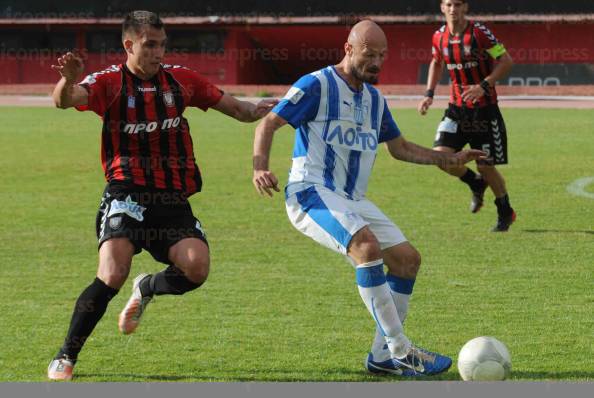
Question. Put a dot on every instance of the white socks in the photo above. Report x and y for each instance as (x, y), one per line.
(376, 295)
(401, 290)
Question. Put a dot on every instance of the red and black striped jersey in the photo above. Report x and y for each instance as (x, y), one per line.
(469, 58)
(146, 140)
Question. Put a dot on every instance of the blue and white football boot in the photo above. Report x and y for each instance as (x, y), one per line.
(418, 362)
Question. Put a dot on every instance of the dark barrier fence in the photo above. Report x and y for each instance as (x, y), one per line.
(116, 8)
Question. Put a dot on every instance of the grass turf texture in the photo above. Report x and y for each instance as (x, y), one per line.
(278, 307)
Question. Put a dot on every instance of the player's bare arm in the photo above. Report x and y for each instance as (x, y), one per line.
(67, 92)
(435, 72)
(501, 70)
(406, 151)
(264, 180)
(244, 111)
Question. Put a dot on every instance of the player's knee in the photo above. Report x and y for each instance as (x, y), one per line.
(365, 246)
(115, 276)
(485, 168)
(414, 263)
(196, 269)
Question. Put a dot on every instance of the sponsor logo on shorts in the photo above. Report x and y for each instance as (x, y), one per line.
(128, 207)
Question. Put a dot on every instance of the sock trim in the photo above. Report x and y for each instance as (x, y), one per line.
(400, 285)
(371, 276)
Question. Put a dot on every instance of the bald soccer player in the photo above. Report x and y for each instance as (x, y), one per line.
(340, 119)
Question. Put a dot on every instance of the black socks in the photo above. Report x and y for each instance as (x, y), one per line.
(88, 310)
(169, 281)
(474, 181)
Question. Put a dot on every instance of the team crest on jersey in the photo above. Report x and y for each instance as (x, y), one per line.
(131, 102)
(168, 98)
(446, 52)
(360, 112)
(467, 50)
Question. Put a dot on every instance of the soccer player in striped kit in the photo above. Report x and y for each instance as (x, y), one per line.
(148, 159)
(469, 50)
(340, 120)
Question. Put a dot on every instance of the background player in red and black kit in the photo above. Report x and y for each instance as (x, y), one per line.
(475, 61)
(148, 159)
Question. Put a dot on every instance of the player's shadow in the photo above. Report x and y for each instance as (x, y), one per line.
(564, 376)
(337, 375)
(556, 231)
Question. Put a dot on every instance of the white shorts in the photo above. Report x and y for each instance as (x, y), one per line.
(332, 220)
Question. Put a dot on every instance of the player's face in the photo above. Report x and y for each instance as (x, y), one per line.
(148, 50)
(454, 10)
(366, 61)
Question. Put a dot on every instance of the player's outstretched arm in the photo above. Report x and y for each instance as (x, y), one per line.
(67, 93)
(406, 151)
(264, 180)
(244, 111)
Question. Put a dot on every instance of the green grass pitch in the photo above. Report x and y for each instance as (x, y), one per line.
(278, 307)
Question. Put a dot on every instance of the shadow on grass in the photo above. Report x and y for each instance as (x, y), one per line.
(556, 231)
(526, 375)
(337, 375)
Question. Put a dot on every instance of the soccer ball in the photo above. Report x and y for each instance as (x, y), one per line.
(484, 359)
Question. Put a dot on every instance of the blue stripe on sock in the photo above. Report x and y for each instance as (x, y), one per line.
(371, 276)
(400, 285)
(379, 325)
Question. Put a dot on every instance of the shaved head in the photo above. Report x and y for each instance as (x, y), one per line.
(367, 33)
(365, 50)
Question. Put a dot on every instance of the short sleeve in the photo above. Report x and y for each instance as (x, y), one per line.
(301, 102)
(487, 40)
(389, 129)
(435, 47)
(203, 94)
(97, 85)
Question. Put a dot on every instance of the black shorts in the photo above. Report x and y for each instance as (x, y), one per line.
(152, 219)
(481, 128)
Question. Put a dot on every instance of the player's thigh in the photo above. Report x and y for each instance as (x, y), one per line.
(325, 217)
(385, 230)
(490, 136)
(449, 136)
(115, 260)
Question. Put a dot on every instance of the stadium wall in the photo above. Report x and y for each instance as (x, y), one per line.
(546, 54)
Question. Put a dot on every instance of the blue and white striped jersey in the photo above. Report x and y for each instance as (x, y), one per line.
(338, 131)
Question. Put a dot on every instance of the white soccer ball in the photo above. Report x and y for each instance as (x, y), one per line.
(484, 359)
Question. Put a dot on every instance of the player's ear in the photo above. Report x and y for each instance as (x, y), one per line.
(128, 45)
(465, 7)
(348, 48)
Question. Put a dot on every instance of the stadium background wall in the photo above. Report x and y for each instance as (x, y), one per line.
(556, 53)
(116, 8)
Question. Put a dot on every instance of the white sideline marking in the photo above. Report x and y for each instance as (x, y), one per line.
(578, 187)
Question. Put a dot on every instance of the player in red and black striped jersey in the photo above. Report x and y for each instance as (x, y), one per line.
(150, 168)
(475, 61)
